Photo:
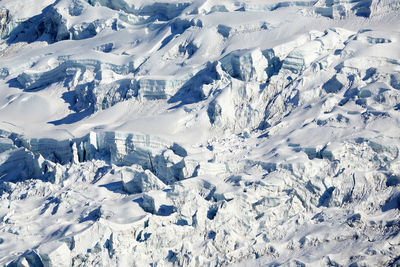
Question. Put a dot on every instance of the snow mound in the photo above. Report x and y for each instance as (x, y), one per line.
(199, 133)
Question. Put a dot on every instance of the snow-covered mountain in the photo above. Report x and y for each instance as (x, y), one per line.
(199, 133)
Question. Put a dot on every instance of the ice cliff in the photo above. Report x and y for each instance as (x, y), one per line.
(199, 133)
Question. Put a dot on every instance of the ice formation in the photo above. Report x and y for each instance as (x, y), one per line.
(199, 133)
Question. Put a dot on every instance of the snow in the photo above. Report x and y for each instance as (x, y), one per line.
(199, 133)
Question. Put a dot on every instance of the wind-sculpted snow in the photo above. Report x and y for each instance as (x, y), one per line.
(199, 133)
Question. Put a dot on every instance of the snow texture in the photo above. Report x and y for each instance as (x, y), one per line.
(199, 133)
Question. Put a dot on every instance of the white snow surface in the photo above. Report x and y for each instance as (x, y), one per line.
(199, 133)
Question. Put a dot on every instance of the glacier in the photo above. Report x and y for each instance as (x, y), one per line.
(199, 133)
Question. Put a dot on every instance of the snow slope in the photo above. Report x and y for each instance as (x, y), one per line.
(199, 133)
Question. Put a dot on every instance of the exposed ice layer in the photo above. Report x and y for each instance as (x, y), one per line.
(274, 72)
(156, 11)
(71, 72)
(84, 76)
(288, 133)
(59, 256)
(5, 18)
(92, 93)
(48, 26)
(363, 8)
(137, 180)
(249, 66)
(230, 31)
(86, 30)
(46, 255)
(116, 5)
(238, 107)
(30, 258)
(249, 6)
(118, 146)
(76, 8)
(160, 88)
(43, 158)
(53, 25)
(192, 213)
(296, 56)
(106, 48)
(21, 164)
(99, 97)
(303, 56)
(6, 144)
(163, 11)
(4, 73)
(395, 80)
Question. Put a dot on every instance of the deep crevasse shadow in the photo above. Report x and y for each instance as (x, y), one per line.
(43, 27)
(74, 117)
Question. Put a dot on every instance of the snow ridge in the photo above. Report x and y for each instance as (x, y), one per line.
(199, 133)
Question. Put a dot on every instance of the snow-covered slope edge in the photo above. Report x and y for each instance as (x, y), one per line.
(199, 133)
